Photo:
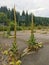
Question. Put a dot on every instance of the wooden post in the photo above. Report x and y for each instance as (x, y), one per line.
(14, 25)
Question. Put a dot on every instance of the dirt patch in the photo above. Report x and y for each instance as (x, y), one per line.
(38, 58)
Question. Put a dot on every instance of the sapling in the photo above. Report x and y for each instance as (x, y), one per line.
(8, 28)
(14, 45)
(32, 44)
(3, 30)
(31, 41)
(13, 54)
(8, 31)
(23, 26)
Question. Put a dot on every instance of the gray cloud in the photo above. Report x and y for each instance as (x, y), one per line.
(38, 7)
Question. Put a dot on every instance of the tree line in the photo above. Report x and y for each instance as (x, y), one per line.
(7, 16)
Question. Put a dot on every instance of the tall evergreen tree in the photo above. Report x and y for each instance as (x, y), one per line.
(23, 13)
(27, 18)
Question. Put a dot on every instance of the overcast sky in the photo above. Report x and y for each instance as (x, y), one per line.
(38, 7)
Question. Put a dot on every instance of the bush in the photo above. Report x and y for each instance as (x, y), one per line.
(1, 28)
(39, 27)
(12, 26)
(19, 28)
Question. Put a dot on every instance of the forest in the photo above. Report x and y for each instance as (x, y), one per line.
(7, 15)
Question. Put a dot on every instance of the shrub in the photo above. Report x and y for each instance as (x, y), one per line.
(1, 28)
(19, 28)
(39, 27)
